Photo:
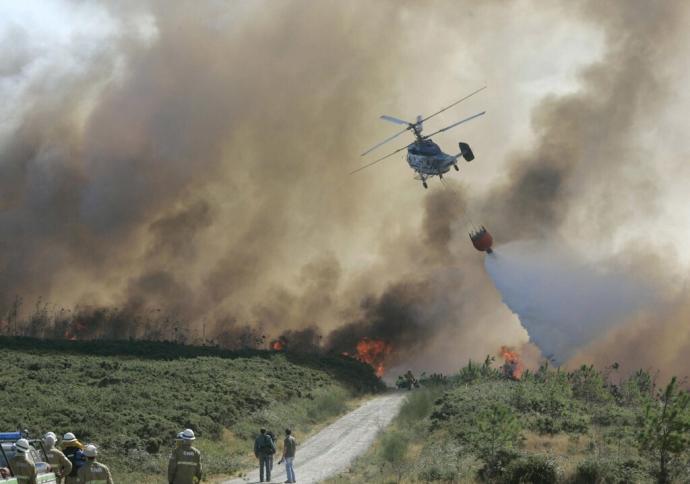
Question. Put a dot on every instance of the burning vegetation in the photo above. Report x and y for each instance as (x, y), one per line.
(512, 366)
(374, 353)
(278, 344)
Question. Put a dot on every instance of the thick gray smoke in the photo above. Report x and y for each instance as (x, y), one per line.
(563, 301)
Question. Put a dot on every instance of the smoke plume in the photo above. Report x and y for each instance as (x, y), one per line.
(179, 170)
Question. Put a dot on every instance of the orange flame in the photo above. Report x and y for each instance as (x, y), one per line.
(512, 366)
(373, 352)
(278, 344)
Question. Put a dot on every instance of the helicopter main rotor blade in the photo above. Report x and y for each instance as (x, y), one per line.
(454, 104)
(395, 120)
(455, 124)
(381, 159)
(384, 141)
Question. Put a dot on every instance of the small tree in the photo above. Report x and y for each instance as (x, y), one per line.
(665, 429)
(394, 450)
(496, 432)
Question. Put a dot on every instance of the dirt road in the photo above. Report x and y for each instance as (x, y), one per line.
(333, 449)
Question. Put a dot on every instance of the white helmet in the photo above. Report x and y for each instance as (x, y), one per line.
(50, 433)
(49, 439)
(90, 450)
(22, 445)
(188, 434)
(69, 437)
(179, 435)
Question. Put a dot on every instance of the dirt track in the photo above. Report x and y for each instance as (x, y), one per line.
(331, 451)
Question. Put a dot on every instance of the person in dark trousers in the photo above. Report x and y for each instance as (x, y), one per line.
(275, 440)
(264, 447)
(289, 451)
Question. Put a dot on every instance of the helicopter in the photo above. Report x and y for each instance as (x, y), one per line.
(423, 155)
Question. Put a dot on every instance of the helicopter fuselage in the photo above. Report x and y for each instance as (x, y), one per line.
(426, 158)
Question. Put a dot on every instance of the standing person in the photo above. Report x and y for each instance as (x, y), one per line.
(264, 447)
(74, 451)
(289, 450)
(59, 464)
(185, 461)
(93, 472)
(22, 467)
(270, 457)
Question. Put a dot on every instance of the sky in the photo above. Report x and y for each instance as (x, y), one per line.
(193, 160)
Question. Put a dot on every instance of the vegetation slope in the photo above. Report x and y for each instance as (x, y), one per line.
(131, 398)
(582, 427)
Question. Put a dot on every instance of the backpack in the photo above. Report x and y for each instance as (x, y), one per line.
(267, 446)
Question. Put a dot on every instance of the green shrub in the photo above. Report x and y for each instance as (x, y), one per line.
(326, 405)
(588, 384)
(418, 405)
(438, 473)
(533, 469)
(608, 471)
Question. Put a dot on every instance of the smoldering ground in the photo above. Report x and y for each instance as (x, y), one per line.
(190, 171)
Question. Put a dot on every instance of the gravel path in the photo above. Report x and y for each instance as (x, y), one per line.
(332, 450)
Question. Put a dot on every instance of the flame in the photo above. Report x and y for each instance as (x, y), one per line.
(512, 366)
(278, 344)
(373, 352)
(73, 331)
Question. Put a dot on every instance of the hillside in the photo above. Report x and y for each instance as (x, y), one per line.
(131, 398)
(580, 427)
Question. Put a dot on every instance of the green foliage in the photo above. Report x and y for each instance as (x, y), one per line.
(532, 469)
(609, 471)
(133, 404)
(665, 431)
(418, 405)
(638, 388)
(588, 384)
(496, 428)
(475, 372)
(435, 379)
(394, 446)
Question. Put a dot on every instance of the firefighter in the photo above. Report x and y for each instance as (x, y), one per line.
(185, 461)
(22, 467)
(59, 464)
(73, 450)
(93, 472)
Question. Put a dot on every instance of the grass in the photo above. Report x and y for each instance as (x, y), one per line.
(131, 398)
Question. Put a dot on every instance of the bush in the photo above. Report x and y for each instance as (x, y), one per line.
(603, 471)
(418, 405)
(495, 466)
(438, 473)
(534, 469)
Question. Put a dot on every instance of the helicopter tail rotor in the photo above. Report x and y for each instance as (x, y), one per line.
(465, 151)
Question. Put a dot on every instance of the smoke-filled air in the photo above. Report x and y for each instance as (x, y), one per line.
(181, 170)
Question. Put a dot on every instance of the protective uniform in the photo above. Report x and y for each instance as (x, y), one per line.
(23, 468)
(185, 461)
(94, 473)
(59, 464)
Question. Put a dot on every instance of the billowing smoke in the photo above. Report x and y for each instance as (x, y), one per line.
(590, 179)
(179, 170)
